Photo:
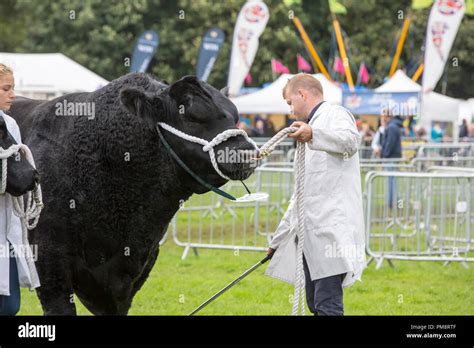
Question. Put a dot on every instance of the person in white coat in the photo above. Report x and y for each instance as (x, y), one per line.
(14, 270)
(334, 247)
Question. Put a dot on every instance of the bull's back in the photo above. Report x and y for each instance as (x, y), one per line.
(39, 116)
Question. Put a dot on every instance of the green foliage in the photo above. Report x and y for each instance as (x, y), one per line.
(101, 35)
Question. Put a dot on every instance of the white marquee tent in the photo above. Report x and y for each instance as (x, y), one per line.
(48, 75)
(436, 106)
(269, 100)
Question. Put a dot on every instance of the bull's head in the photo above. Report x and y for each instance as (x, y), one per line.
(197, 109)
(21, 176)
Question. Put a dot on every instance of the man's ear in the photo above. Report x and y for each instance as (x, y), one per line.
(302, 94)
(142, 104)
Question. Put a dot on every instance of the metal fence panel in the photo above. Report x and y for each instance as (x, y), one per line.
(419, 216)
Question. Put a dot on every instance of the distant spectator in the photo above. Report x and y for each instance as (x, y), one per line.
(463, 130)
(378, 138)
(409, 128)
(420, 133)
(367, 134)
(245, 120)
(392, 148)
(437, 133)
(260, 128)
(392, 139)
(270, 129)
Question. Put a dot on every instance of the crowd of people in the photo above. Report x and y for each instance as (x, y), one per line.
(373, 141)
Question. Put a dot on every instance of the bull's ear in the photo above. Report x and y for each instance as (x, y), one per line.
(184, 90)
(142, 104)
(225, 91)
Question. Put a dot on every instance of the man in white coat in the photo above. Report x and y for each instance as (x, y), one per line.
(14, 270)
(334, 247)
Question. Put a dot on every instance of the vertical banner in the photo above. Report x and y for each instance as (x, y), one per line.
(210, 47)
(443, 25)
(144, 51)
(251, 22)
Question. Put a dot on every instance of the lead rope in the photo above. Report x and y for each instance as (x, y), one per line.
(266, 150)
(29, 215)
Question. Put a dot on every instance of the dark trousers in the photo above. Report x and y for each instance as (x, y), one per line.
(324, 296)
(10, 305)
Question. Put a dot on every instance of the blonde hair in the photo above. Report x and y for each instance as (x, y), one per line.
(303, 81)
(4, 70)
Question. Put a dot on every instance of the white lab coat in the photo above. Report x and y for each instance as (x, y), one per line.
(10, 230)
(334, 237)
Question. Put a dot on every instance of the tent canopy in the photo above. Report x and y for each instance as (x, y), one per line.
(434, 106)
(50, 74)
(269, 100)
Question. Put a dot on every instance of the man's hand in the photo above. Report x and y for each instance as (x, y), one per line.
(304, 132)
(270, 252)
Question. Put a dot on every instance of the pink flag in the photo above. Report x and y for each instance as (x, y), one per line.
(364, 74)
(303, 65)
(279, 68)
(339, 66)
(248, 79)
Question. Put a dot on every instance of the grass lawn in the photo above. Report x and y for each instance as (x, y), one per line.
(176, 287)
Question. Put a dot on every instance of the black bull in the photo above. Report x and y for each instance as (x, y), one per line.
(110, 188)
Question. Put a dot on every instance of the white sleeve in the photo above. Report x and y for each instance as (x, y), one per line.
(376, 141)
(339, 137)
(284, 227)
(13, 128)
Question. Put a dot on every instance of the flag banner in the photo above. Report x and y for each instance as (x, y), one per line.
(421, 4)
(302, 64)
(248, 79)
(373, 103)
(144, 51)
(339, 66)
(443, 25)
(470, 7)
(279, 68)
(336, 7)
(363, 74)
(250, 24)
(208, 52)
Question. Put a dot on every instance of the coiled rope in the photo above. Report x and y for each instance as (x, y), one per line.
(29, 214)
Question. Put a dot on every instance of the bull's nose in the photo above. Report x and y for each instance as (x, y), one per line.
(36, 176)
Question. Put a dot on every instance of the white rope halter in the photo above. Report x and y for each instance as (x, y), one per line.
(208, 146)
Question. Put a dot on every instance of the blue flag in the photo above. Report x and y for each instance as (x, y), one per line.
(210, 47)
(144, 51)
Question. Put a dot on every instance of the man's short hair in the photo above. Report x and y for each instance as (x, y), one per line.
(303, 81)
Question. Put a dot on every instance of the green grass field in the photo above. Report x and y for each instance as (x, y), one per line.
(176, 287)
